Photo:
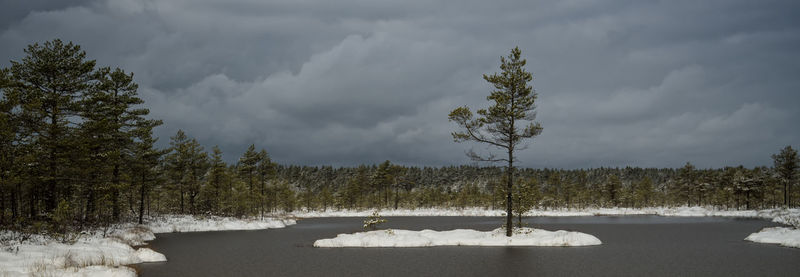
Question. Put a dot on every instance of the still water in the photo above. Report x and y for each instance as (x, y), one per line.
(632, 246)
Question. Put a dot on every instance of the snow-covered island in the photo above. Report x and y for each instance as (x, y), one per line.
(100, 253)
(459, 237)
(786, 236)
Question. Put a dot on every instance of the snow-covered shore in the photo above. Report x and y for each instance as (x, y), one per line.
(98, 254)
(784, 216)
(459, 237)
(95, 254)
(784, 236)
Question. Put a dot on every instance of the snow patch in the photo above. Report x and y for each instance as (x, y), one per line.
(789, 237)
(189, 223)
(459, 237)
(399, 212)
(105, 253)
(147, 255)
(92, 255)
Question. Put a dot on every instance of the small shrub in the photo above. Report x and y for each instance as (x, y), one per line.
(372, 221)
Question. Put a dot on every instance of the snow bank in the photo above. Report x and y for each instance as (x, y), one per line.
(147, 255)
(90, 255)
(789, 237)
(462, 237)
(106, 254)
(188, 223)
(399, 212)
(784, 216)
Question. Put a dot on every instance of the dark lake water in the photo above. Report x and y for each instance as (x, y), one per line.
(632, 246)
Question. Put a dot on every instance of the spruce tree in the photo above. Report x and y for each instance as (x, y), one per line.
(506, 123)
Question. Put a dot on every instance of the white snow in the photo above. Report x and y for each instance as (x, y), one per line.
(779, 235)
(399, 212)
(459, 237)
(784, 216)
(785, 236)
(147, 255)
(47, 256)
(188, 223)
(95, 254)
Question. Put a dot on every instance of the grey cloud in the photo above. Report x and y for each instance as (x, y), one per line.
(636, 83)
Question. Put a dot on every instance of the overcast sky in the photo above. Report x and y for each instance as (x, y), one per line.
(346, 82)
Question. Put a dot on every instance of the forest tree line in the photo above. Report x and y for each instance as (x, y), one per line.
(78, 150)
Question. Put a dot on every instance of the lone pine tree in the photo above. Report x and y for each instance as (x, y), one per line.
(506, 123)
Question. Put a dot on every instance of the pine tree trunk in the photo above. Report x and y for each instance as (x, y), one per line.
(115, 210)
(2, 206)
(50, 191)
(180, 190)
(32, 203)
(510, 173)
(141, 197)
(786, 193)
(15, 202)
(89, 205)
(519, 213)
(396, 198)
(193, 188)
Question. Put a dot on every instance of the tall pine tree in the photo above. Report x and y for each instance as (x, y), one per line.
(506, 123)
(49, 81)
(786, 164)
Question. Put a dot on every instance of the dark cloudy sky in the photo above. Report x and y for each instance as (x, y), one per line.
(639, 83)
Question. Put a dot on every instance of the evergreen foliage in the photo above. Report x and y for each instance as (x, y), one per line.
(506, 123)
(786, 165)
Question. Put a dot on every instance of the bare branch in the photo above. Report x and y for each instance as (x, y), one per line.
(478, 158)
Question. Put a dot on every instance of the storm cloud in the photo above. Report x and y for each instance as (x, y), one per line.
(620, 83)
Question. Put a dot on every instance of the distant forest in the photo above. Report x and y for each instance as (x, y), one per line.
(78, 150)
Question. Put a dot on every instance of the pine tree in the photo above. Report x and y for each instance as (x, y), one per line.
(248, 169)
(687, 183)
(49, 81)
(216, 177)
(381, 180)
(8, 139)
(265, 170)
(642, 192)
(786, 164)
(506, 123)
(177, 165)
(146, 159)
(197, 166)
(111, 113)
(527, 197)
(613, 188)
